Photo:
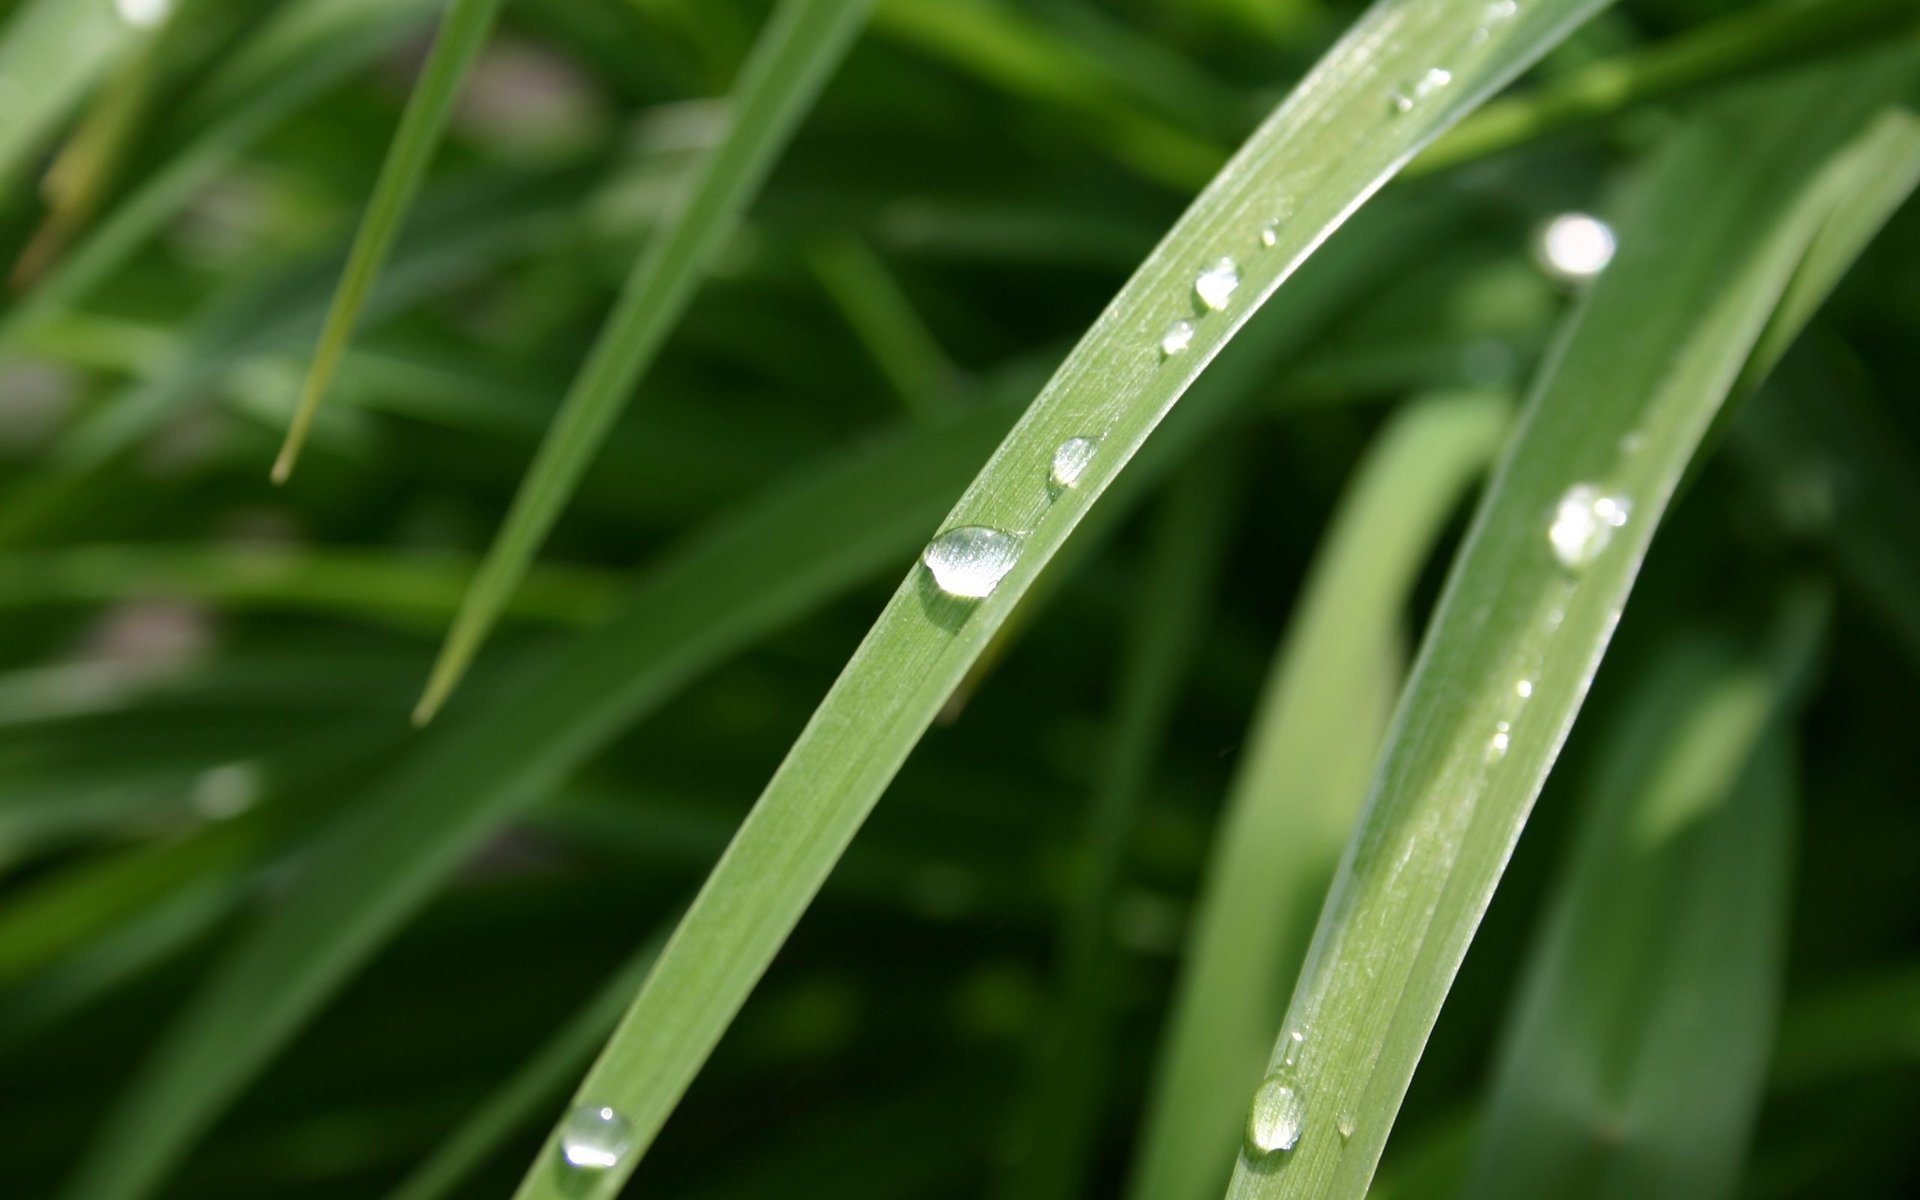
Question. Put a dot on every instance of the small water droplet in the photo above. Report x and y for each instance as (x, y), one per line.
(1177, 338)
(1409, 95)
(1346, 1126)
(1215, 285)
(1291, 1055)
(1070, 461)
(1274, 1122)
(1270, 233)
(143, 14)
(1574, 247)
(1498, 743)
(1495, 14)
(1523, 689)
(595, 1138)
(969, 561)
(1583, 524)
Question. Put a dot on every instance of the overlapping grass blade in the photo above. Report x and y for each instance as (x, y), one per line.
(802, 43)
(52, 54)
(1635, 1057)
(1371, 103)
(1705, 259)
(463, 33)
(1067, 1103)
(1310, 753)
(463, 780)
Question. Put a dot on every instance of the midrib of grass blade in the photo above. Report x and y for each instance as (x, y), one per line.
(463, 32)
(1068, 1100)
(1302, 778)
(465, 779)
(803, 42)
(1331, 145)
(52, 53)
(542, 1078)
(1635, 1057)
(1649, 357)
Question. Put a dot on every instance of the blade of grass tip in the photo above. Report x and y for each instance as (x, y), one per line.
(538, 1082)
(463, 32)
(1633, 1061)
(1378, 96)
(1310, 753)
(884, 319)
(460, 783)
(1066, 1103)
(1754, 40)
(803, 42)
(1533, 597)
(52, 54)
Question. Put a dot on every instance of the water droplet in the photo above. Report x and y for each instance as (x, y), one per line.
(1523, 689)
(1408, 95)
(143, 14)
(1291, 1055)
(1346, 1126)
(1496, 13)
(1177, 338)
(1070, 461)
(1574, 247)
(1632, 443)
(1274, 1122)
(1498, 743)
(1583, 524)
(1270, 233)
(595, 1138)
(970, 560)
(1215, 285)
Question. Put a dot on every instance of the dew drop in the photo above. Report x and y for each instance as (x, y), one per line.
(1070, 461)
(1409, 95)
(1495, 14)
(1346, 1126)
(1290, 1056)
(143, 14)
(595, 1138)
(1523, 689)
(1274, 1122)
(1574, 247)
(969, 561)
(1215, 285)
(1177, 338)
(1583, 524)
(1270, 233)
(1498, 743)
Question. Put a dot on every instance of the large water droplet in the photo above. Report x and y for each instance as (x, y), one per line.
(1574, 247)
(1583, 524)
(1408, 95)
(1070, 461)
(595, 1138)
(1274, 1122)
(1215, 285)
(970, 560)
(1177, 338)
(143, 14)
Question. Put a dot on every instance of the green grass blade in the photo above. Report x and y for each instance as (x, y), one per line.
(803, 42)
(1302, 778)
(883, 318)
(1066, 1106)
(536, 1084)
(1634, 1060)
(1663, 336)
(52, 54)
(463, 33)
(1370, 104)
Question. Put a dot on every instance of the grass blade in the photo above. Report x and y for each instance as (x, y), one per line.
(1301, 780)
(52, 53)
(1370, 104)
(803, 42)
(463, 33)
(1635, 1058)
(1704, 261)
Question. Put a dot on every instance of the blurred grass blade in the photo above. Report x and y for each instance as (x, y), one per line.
(1377, 97)
(1302, 777)
(1705, 258)
(463, 33)
(803, 42)
(1633, 1063)
(1067, 1101)
(817, 537)
(535, 1085)
(52, 54)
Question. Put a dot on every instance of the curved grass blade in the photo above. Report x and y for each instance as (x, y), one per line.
(1301, 780)
(463, 32)
(1663, 336)
(541, 1079)
(803, 42)
(1636, 1054)
(464, 780)
(1067, 1100)
(1370, 104)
